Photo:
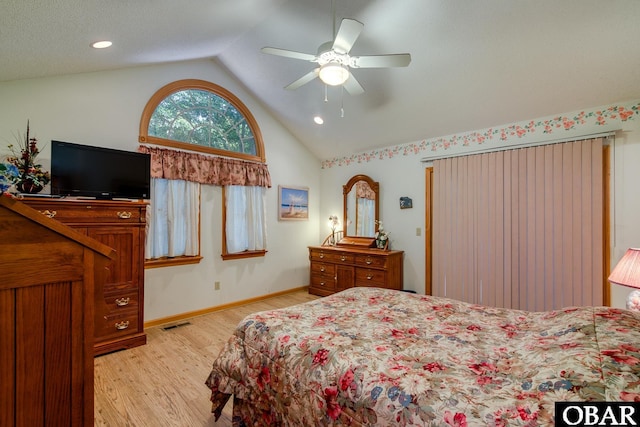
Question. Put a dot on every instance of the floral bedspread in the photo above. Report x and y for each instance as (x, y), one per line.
(369, 356)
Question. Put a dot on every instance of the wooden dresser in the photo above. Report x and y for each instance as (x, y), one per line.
(49, 272)
(119, 317)
(336, 268)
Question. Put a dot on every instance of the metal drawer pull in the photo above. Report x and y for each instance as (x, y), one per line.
(322, 269)
(124, 215)
(343, 258)
(321, 255)
(322, 283)
(369, 276)
(48, 213)
(121, 302)
(122, 325)
(368, 261)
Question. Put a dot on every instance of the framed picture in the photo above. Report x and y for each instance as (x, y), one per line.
(406, 203)
(293, 203)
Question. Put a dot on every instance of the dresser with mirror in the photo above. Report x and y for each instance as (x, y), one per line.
(350, 258)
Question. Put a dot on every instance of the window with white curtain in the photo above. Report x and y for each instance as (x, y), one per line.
(246, 219)
(191, 117)
(173, 219)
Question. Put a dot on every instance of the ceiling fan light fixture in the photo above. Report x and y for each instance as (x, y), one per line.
(333, 73)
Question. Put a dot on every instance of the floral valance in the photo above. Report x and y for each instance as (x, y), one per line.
(212, 170)
(363, 191)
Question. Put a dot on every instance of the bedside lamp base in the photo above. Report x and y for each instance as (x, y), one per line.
(633, 301)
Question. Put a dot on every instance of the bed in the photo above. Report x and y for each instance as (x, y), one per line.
(371, 356)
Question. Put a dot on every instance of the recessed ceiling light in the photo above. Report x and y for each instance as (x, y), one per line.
(318, 120)
(101, 44)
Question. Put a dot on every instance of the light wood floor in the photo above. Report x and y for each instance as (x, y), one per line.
(162, 383)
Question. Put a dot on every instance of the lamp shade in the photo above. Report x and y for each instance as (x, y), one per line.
(627, 271)
(333, 73)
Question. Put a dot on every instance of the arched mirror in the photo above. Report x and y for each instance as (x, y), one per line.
(361, 201)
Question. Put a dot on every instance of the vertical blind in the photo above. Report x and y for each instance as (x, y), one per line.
(521, 228)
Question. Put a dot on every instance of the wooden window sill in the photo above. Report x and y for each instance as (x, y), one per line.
(170, 262)
(245, 254)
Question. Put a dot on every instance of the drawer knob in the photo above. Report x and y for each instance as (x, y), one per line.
(321, 255)
(122, 325)
(322, 283)
(121, 302)
(124, 215)
(322, 269)
(343, 258)
(369, 276)
(48, 213)
(368, 261)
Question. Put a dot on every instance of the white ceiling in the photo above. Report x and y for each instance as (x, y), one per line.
(475, 64)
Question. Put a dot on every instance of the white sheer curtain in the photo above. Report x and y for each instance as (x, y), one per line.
(366, 217)
(172, 219)
(246, 218)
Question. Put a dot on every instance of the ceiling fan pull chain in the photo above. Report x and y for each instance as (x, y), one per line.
(342, 101)
(326, 99)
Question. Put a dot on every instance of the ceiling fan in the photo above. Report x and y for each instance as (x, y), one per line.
(335, 62)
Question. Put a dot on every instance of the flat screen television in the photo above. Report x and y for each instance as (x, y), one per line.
(103, 173)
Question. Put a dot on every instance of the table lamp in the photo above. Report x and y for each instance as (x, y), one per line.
(627, 273)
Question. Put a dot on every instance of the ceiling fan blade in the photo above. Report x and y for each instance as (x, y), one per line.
(303, 80)
(381, 61)
(352, 86)
(347, 35)
(289, 53)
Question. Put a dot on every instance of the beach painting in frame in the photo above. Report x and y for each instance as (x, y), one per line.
(293, 203)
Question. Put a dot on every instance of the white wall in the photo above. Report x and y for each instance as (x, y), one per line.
(401, 173)
(104, 109)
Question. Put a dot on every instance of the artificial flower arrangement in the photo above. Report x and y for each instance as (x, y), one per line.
(382, 237)
(21, 169)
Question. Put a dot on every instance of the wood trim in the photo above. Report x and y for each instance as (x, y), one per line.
(606, 223)
(245, 254)
(172, 262)
(190, 314)
(224, 222)
(428, 223)
(187, 84)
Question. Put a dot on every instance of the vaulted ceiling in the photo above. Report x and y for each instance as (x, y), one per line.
(475, 64)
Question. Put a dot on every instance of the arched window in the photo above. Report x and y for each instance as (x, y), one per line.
(200, 116)
(196, 115)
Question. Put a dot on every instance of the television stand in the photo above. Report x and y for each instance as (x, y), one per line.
(118, 319)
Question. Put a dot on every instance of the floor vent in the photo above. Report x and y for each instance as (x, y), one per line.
(178, 325)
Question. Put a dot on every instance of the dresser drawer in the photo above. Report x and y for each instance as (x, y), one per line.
(371, 261)
(331, 256)
(120, 302)
(114, 325)
(325, 282)
(77, 213)
(370, 277)
(322, 268)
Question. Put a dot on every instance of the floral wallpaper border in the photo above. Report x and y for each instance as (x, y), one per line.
(556, 125)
